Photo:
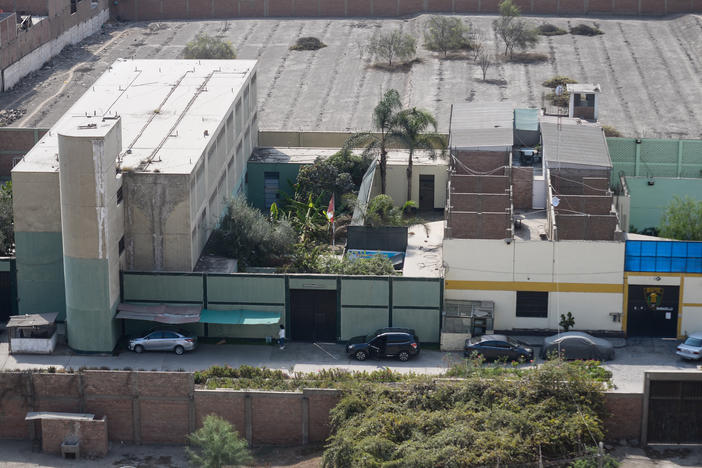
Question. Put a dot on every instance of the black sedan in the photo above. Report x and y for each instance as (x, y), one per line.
(493, 347)
(577, 345)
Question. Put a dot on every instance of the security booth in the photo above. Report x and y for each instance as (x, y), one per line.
(32, 333)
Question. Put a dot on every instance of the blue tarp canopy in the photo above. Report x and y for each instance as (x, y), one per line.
(239, 317)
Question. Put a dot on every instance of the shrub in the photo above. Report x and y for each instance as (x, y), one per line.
(548, 29)
(381, 212)
(208, 47)
(610, 131)
(446, 33)
(561, 101)
(219, 445)
(7, 230)
(308, 43)
(247, 235)
(557, 81)
(394, 45)
(585, 30)
(682, 219)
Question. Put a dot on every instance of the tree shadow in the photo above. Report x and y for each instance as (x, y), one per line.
(403, 67)
(496, 81)
(527, 58)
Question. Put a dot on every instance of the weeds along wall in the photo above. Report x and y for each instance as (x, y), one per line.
(140, 10)
(363, 303)
(163, 407)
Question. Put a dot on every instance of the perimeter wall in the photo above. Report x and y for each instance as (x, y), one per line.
(139, 10)
(163, 407)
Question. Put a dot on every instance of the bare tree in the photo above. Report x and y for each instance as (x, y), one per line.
(393, 45)
(485, 61)
(513, 31)
(477, 44)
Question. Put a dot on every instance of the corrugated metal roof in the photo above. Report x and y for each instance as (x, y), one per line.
(32, 320)
(480, 125)
(573, 144)
(526, 119)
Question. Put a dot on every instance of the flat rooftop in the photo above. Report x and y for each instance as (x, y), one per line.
(166, 108)
(295, 155)
(573, 143)
(476, 125)
(424, 257)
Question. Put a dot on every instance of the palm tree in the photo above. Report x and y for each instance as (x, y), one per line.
(410, 128)
(383, 116)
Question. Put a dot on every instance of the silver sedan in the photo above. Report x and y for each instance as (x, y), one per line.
(578, 345)
(163, 340)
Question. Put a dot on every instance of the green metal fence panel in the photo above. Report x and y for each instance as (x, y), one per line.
(691, 159)
(253, 290)
(365, 292)
(357, 321)
(426, 322)
(410, 292)
(154, 287)
(622, 150)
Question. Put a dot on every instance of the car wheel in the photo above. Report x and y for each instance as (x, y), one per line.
(404, 356)
(361, 355)
(179, 350)
(138, 349)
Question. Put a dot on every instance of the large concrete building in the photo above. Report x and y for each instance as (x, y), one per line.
(134, 176)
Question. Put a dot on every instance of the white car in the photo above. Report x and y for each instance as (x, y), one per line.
(691, 348)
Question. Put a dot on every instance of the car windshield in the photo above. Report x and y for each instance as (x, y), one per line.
(514, 342)
(696, 342)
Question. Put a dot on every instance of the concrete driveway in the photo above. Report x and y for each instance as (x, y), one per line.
(633, 357)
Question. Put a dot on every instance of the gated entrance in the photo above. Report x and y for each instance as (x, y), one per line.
(313, 315)
(674, 412)
(653, 311)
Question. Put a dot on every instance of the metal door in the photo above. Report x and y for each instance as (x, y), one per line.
(271, 188)
(312, 315)
(653, 311)
(674, 412)
(5, 296)
(426, 192)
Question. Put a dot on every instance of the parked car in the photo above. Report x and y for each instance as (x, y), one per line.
(385, 342)
(493, 347)
(164, 340)
(578, 345)
(691, 348)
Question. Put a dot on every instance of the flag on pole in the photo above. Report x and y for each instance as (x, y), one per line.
(330, 210)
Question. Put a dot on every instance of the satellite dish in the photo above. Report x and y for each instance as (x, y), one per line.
(555, 201)
(559, 90)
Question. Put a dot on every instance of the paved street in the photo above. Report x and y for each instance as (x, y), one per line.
(633, 358)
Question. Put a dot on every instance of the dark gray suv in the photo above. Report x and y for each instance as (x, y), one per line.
(385, 342)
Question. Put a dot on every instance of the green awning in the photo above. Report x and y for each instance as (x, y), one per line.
(239, 317)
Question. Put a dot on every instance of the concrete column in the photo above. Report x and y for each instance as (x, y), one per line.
(91, 227)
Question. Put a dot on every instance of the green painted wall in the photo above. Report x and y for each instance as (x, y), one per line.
(357, 321)
(327, 283)
(162, 288)
(424, 321)
(89, 314)
(648, 202)
(40, 286)
(248, 289)
(255, 195)
(365, 292)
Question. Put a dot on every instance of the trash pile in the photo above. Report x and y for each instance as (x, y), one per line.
(7, 116)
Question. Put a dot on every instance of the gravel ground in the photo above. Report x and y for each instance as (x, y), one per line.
(649, 70)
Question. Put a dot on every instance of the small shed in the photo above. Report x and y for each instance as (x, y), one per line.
(32, 333)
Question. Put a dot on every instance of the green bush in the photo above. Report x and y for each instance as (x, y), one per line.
(205, 46)
(508, 419)
(585, 30)
(382, 212)
(308, 43)
(218, 445)
(548, 29)
(445, 34)
(246, 234)
(610, 131)
(557, 81)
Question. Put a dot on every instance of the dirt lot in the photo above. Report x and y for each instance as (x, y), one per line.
(649, 71)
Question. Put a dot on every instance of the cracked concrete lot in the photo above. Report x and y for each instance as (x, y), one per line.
(649, 70)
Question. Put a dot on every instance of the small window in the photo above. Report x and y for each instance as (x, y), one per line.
(121, 245)
(169, 334)
(397, 338)
(532, 304)
(120, 195)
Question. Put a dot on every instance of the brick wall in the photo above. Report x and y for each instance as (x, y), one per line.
(522, 187)
(140, 10)
(586, 227)
(590, 204)
(595, 185)
(471, 225)
(480, 202)
(91, 434)
(463, 183)
(625, 413)
(481, 161)
(571, 181)
(160, 407)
